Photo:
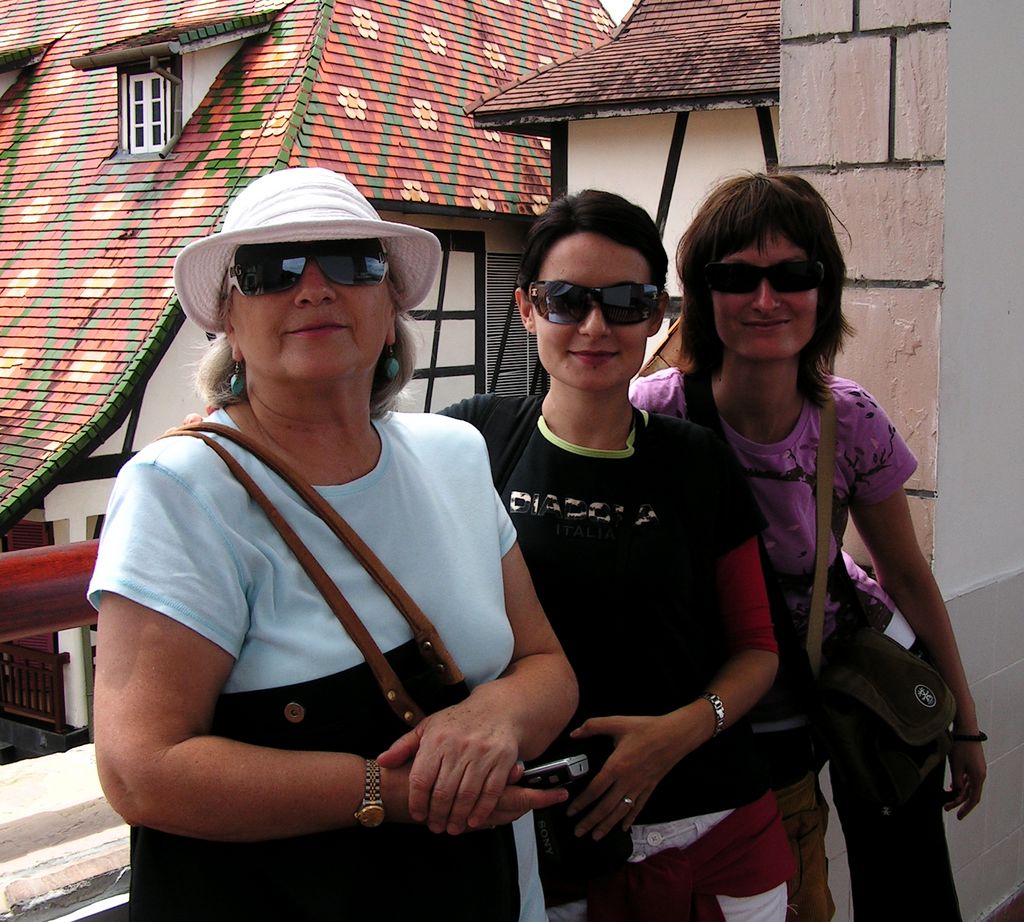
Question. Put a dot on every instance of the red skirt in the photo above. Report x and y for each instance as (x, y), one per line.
(745, 854)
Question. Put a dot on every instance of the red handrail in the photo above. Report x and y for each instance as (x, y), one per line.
(43, 589)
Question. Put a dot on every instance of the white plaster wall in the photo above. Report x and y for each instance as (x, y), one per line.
(170, 394)
(456, 343)
(987, 848)
(500, 234)
(72, 504)
(982, 334)
(719, 143)
(624, 155)
(200, 70)
(628, 156)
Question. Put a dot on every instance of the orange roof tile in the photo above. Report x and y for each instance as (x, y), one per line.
(376, 89)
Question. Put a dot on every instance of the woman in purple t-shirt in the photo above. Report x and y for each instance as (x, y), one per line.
(762, 275)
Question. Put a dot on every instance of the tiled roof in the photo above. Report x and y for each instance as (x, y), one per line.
(17, 58)
(184, 34)
(375, 89)
(667, 54)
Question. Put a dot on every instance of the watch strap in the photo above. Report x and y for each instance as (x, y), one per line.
(371, 810)
(719, 707)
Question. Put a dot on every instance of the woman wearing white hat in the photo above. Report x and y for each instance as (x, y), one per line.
(236, 721)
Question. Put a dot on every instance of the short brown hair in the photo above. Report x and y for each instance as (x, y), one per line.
(748, 210)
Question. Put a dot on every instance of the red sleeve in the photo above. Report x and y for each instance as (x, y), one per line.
(743, 600)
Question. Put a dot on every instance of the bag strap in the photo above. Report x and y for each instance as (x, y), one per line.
(427, 638)
(825, 476)
(702, 410)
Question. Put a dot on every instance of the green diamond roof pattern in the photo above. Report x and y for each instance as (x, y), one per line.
(375, 89)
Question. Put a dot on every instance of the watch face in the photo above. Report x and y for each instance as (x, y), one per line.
(371, 815)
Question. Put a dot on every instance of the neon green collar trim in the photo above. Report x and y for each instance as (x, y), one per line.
(590, 452)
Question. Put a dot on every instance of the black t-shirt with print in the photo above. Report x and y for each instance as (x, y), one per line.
(622, 553)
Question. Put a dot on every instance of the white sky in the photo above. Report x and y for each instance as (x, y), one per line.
(616, 8)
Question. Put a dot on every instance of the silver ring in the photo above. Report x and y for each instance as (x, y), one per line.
(628, 801)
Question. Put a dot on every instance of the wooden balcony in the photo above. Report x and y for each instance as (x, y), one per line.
(32, 685)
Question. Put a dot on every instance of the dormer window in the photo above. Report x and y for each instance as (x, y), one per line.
(163, 75)
(150, 106)
(14, 60)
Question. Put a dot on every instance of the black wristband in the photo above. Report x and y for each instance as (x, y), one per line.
(979, 737)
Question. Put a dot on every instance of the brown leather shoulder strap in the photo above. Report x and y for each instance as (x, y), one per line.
(426, 635)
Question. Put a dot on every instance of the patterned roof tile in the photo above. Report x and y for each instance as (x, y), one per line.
(377, 89)
(665, 54)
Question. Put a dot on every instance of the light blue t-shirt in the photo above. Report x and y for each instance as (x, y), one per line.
(182, 537)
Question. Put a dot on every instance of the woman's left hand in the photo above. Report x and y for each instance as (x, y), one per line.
(463, 759)
(903, 572)
(967, 770)
(646, 748)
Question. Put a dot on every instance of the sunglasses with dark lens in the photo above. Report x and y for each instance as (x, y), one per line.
(263, 269)
(564, 302)
(742, 278)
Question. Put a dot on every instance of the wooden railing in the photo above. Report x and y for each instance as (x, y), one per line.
(41, 590)
(32, 684)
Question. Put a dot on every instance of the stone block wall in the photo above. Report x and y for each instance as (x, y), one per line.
(863, 117)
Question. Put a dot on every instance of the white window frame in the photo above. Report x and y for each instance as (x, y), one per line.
(147, 111)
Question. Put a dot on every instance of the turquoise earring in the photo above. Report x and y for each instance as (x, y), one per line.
(391, 364)
(237, 382)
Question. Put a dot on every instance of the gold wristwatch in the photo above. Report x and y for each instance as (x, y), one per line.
(371, 810)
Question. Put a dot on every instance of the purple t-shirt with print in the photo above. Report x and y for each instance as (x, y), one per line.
(872, 462)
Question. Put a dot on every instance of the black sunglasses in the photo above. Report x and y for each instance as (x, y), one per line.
(263, 269)
(564, 302)
(742, 278)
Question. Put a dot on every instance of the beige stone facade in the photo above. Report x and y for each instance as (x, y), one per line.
(862, 115)
(902, 113)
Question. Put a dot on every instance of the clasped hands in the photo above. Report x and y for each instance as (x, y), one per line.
(459, 768)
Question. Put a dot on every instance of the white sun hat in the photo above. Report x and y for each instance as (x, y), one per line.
(298, 204)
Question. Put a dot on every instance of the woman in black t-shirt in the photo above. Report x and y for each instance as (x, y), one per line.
(652, 583)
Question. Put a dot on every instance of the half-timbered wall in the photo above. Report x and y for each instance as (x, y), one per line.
(666, 162)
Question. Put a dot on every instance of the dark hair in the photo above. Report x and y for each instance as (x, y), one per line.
(746, 211)
(596, 212)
